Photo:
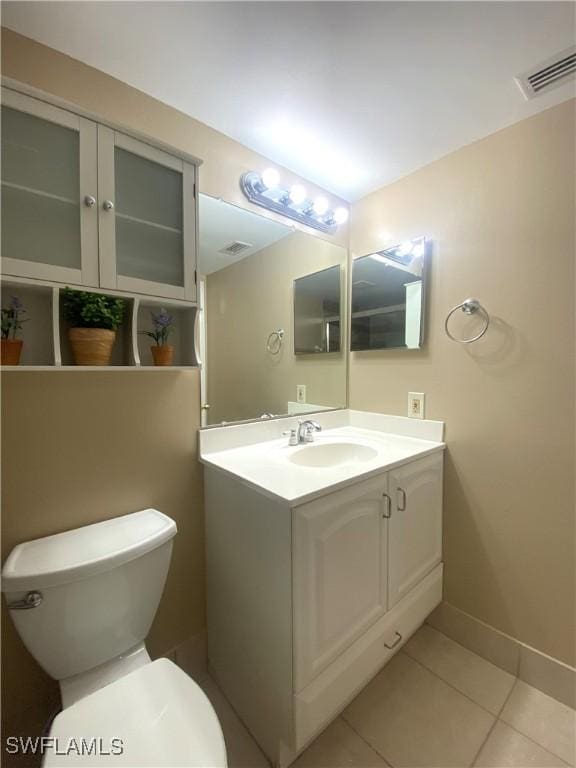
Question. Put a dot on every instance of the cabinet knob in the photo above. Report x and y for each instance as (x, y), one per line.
(108, 205)
(89, 201)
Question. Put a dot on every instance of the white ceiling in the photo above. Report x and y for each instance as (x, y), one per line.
(351, 95)
(222, 223)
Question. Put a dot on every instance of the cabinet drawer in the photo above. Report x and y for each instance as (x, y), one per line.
(317, 704)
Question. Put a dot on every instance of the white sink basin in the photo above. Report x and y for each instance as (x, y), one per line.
(332, 454)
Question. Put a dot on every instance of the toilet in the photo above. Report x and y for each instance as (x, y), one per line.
(83, 602)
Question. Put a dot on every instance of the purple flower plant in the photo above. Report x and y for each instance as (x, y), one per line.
(12, 318)
(163, 324)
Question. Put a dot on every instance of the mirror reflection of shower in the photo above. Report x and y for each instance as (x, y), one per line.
(317, 312)
(388, 290)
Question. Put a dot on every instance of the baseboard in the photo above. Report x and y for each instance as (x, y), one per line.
(546, 673)
(192, 656)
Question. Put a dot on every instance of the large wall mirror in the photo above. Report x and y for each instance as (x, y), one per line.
(272, 326)
(388, 291)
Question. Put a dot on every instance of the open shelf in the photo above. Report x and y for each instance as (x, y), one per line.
(181, 337)
(122, 351)
(45, 334)
(38, 331)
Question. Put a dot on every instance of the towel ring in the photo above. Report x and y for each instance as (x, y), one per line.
(469, 307)
(274, 341)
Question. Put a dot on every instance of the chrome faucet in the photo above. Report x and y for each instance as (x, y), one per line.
(306, 429)
(303, 433)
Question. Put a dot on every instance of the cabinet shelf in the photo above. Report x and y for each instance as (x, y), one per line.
(47, 348)
(107, 369)
(147, 223)
(38, 193)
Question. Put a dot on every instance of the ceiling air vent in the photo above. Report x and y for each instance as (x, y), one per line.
(233, 249)
(363, 284)
(549, 74)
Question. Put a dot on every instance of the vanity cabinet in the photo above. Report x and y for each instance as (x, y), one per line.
(87, 205)
(307, 601)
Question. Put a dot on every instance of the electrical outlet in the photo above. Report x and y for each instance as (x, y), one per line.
(300, 393)
(416, 405)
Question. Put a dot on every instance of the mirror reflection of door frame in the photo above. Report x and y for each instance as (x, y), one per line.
(203, 351)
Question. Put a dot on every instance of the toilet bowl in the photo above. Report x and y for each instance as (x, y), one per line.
(83, 602)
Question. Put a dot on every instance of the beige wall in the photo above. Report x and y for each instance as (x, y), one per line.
(245, 302)
(501, 215)
(81, 447)
(85, 446)
(224, 160)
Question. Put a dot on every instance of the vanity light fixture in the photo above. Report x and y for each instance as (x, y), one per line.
(265, 189)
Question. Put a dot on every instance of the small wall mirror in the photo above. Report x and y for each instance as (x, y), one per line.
(388, 289)
(317, 321)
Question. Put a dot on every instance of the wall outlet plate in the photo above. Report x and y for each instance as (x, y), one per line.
(416, 405)
(300, 393)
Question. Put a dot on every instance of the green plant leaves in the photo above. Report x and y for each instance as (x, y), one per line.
(83, 309)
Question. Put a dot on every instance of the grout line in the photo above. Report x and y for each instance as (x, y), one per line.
(466, 696)
(469, 650)
(497, 720)
(536, 743)
(372, 747)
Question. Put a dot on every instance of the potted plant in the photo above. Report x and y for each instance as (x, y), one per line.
(94, 319)
(11, 347)
(162, 352)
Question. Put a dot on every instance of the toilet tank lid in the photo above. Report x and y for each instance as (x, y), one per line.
(83, 552)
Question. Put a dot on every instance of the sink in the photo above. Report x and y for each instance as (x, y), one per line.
(332, 454)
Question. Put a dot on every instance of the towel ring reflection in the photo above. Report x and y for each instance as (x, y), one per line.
(469, 307)
(274, 341)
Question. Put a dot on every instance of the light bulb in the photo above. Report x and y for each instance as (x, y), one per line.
(297, 194)
(341, 215)
(270, 178)
(320, 206)
(405, 248)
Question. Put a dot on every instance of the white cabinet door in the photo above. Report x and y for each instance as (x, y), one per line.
(339, 573)
(49, 191)
(415, 527)
(147, 210)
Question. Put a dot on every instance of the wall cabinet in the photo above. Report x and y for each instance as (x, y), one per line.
(306, 603)
(87, 205)
(49, 169)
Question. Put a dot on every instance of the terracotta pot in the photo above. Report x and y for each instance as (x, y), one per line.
(91, 346)
(163, 355)
(11, 351)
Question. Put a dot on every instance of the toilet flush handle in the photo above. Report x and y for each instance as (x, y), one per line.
(32, 600)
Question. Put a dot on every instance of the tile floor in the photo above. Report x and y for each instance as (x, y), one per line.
(434, 704)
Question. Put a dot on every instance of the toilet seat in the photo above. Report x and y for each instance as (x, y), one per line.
(161, 715)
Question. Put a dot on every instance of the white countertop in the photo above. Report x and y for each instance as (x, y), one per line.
(258, 454)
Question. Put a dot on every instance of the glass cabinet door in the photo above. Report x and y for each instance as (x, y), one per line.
(147, 240)
(49, 178)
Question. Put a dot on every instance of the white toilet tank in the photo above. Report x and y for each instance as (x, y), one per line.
(99, 587)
